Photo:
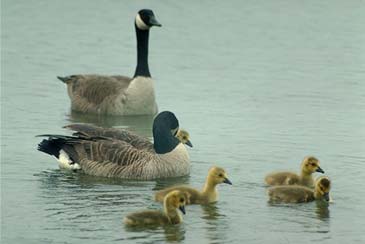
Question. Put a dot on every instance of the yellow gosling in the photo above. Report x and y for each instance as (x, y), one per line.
(184, 137)
(299, 194)
(209, 194)
(308, 167)
(169, 216)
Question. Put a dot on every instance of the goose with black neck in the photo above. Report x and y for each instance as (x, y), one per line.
(116, 94)
(109, 157)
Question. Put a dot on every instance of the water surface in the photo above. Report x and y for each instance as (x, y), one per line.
(258, 84)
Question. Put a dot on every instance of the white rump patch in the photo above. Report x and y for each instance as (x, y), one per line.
(140, 24)
(64, 162)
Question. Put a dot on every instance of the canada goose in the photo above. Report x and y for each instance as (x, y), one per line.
(118, 95)
(216, 175)
(308, 167)
(170, 216)
(108, 157)
(136, 141)
(298, 194)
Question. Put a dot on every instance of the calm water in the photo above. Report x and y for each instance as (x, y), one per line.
(258, 84)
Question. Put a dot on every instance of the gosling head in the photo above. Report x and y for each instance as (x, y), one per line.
(184, 137)
(145, 19)
(176, 199)
(218, 175)
(310, 165)
(322, 188)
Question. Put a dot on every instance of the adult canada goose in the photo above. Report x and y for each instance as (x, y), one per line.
(298, 194)
(308, 167)
(118, 95)
(209, 194)
(136, 141)
(170, 216)
(108, 157)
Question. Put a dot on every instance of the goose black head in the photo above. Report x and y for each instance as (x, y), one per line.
(145, 19)
(165, 126)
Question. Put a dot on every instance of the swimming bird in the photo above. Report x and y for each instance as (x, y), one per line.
(170, 216)
(116, 94)
(135, 140)
(298, 194)
(308, 167)
(109, 157)
(209, 194)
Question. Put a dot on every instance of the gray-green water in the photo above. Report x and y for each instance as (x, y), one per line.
(258, 84)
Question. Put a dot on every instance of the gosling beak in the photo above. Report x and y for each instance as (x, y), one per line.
(326, 196)
(182, 209)
(319, 170)
(189, 143)
(227, 181)
(153, 22)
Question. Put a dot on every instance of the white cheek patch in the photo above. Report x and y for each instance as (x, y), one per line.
(140, 24)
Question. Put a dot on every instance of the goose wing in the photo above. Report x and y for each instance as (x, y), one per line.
(118, 134)
(95, 88)
(100, 156)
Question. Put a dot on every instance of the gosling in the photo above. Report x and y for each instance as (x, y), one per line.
(170, 216)
(300, 194)
(184, 137)
(209, 194)
(308, 167)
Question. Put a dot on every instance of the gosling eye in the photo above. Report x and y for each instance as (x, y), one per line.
(182, 200)
(313, 164)
(220, 175)
(184, 137)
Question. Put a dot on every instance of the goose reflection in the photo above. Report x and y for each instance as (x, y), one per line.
(140, 124)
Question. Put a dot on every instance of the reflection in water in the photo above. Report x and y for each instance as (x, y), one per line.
(322, 210)
(216, 223)
(141, 124)
(210, 212)
(164, 183)
(171, 233)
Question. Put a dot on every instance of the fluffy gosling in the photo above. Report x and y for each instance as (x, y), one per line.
(169, 216)
(184, 137)
(209, 194)
(308, 167)
(299, 194)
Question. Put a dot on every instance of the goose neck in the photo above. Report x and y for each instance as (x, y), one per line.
(142, 68)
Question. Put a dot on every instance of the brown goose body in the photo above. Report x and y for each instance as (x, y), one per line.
(116, 94)
(125, 155)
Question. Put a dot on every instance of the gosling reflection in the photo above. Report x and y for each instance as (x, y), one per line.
(211, 212)
(322, 210)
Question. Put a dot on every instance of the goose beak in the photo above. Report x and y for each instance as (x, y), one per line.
(326, 196)
(320, 170)
(182, 209)
(153, 22)
(189, 143)
(227, 181)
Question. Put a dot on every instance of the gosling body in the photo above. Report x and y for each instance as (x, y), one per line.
(300, 194)
(308, 167)
(209, 194)
(169, 216)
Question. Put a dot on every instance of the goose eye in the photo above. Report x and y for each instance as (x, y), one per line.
(184, 137)
(220, 175)
(181, 199)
